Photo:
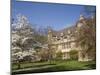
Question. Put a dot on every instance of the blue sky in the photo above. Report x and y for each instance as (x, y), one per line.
(58, 16)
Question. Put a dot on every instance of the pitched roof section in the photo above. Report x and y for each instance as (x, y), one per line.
(65, 32)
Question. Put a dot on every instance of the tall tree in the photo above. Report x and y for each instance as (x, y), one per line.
(87, 37)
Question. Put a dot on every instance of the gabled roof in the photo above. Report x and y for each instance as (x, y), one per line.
(64, 32)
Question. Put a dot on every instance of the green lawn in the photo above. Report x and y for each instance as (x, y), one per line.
(54, 66)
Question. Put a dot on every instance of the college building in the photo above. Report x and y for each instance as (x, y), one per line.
(65, 40)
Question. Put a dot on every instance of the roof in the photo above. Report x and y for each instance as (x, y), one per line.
(64, 32)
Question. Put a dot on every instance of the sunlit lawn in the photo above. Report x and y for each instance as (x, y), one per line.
(53, 66)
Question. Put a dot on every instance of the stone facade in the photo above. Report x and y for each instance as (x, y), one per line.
(64, 40)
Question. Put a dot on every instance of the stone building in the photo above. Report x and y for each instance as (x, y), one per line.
(65, 41)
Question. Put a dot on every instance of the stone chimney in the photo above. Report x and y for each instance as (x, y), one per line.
(92, 17)
(81, 21)
(81, 17)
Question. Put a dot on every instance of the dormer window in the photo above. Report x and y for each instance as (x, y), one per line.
(58, 39)
(79, 24)
(65, 37)
(62, 34)
(81, 17)
(54, 36)
(69, 31)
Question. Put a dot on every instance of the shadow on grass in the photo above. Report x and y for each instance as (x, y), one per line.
(39, 65)
(49, 69)
(59, 67)
(91, 66)
(43, 70)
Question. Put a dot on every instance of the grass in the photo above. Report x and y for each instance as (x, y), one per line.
(54, 66)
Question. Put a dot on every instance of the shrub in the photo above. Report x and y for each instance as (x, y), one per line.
(59, 55)
(74, 55)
